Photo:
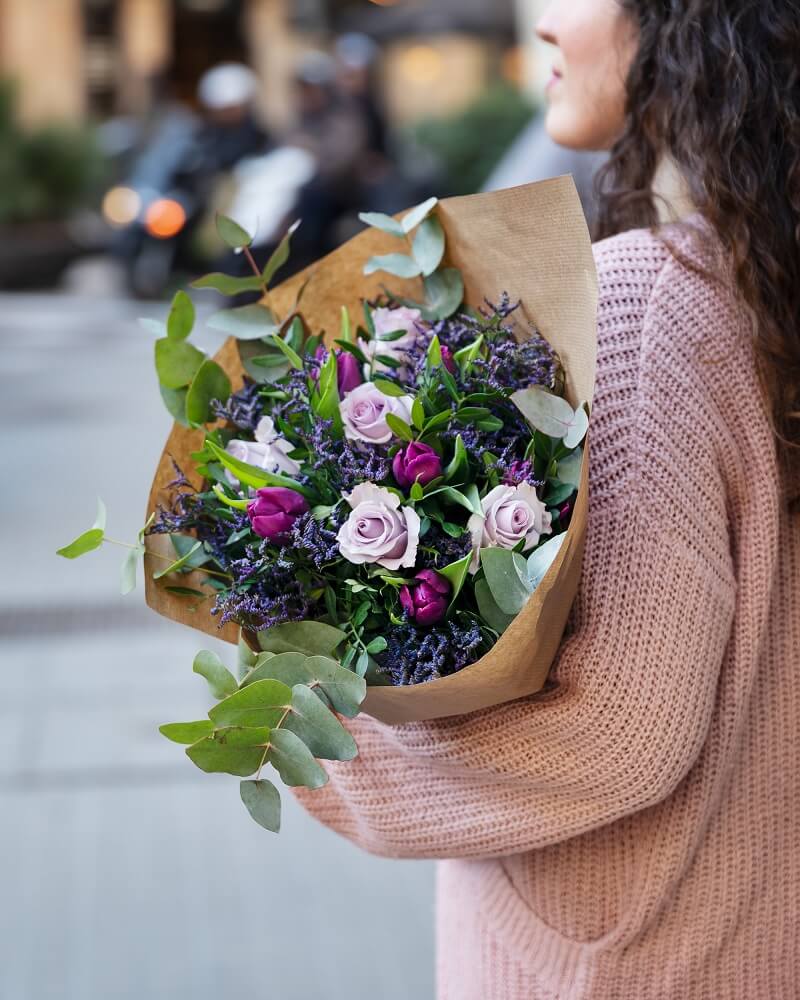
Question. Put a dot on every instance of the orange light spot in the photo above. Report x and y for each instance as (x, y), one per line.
(164, 219)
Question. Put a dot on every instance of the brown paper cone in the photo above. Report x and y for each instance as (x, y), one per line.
(532, 242)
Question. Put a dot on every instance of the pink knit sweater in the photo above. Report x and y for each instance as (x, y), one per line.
(634, 832)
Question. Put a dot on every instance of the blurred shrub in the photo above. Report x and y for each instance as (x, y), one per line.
(47, 172)
(469, 145)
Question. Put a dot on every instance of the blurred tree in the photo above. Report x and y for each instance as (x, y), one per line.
(469, 145)
(45, 173)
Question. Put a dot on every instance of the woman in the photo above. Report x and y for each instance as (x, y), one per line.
(633, 833)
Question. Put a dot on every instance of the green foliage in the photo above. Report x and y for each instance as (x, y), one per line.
(45, 173)
(263, 802)
(280, 714)
(209, 383)
(89, 540)
(232, 234)
(552, 415)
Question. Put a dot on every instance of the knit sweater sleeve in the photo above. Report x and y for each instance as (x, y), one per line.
(637, 670)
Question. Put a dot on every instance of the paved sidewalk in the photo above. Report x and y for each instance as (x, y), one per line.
(126, 874)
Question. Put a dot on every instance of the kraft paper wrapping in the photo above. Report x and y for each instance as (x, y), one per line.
(531, 241)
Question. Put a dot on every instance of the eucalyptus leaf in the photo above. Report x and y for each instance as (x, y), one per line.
(280, 256)
(418, 214)
(489, 610)
(317, 727)
(263, 802)
(175, 402)
(444, 290)
(551, 414)
(540, 561)
(180, 321)
(232, 233)
(177, 362)
(89, 540)
(288, 668)
(209, 383)
(259, 704)
(577, 431)
(215, 757)
(506, 579)
(569, 468)
(311, 638)
(398, 264)
(220, 680)
(253, 322)
(245, 658)
(293, 760)
(377, 220)
(226, 284)
(428, 246)
(128, 569)
(187, 732)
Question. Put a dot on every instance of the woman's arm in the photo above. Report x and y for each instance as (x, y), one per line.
(638, 668)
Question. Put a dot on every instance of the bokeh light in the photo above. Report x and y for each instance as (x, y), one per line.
(121, 206)
(165, 218)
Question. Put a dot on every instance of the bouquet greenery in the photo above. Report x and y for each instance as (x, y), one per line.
(375, 508)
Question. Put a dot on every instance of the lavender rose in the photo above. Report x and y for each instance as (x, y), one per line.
(427, 602)
(364, 412)
(273, 512)
(511, 514)
(379, 530)
(268, 451)
(417, 463)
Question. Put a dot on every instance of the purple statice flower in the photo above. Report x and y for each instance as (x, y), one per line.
(265, 593)
(243, 409)
(416, 655)
(438, 549)
(317, 539)
(343, 463)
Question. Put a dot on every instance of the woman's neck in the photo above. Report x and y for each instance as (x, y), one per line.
(671, 194)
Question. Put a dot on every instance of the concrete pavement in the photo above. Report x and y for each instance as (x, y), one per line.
(125, 872)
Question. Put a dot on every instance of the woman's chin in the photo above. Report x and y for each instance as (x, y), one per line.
(567, 130)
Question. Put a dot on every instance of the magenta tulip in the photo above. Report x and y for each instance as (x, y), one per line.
(417, 463)
(348, 371)
(448, 360)
(426, 602)
(274, 511)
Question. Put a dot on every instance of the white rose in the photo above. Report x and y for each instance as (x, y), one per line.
(364, 412)
(388, 321)
(379, 530)
(510, 514)
(268, 451)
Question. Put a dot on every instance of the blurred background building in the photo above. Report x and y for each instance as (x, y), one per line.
(124, 125)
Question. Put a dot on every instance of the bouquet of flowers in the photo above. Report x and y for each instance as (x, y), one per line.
(394, 509)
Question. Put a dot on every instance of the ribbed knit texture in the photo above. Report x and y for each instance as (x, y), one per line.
(632, 833)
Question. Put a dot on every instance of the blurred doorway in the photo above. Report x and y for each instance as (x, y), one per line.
(205, 33)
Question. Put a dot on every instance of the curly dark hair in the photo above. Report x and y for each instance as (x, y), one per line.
(716, 85)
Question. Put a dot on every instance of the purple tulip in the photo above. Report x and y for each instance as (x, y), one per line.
(417, 463)
(274, 511)
(565, 514)
(518, 472)
(427, 603)
(348, 372)
(448, 360)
